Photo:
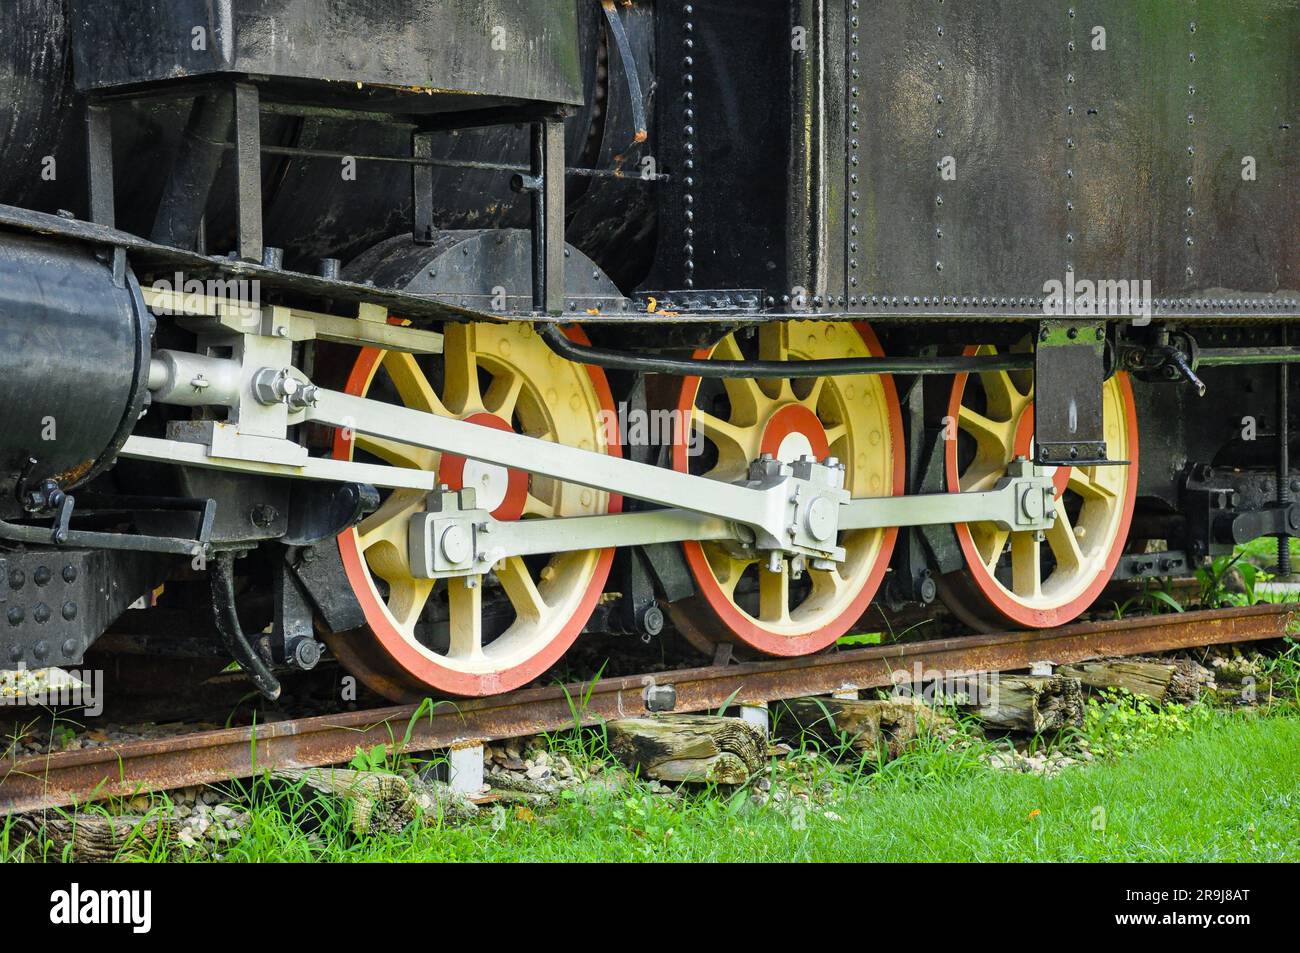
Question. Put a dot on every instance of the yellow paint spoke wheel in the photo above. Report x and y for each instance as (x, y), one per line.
(487, 633)
(733, 422)
(1032, 579)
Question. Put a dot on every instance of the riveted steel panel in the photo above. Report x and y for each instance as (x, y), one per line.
(512, 49)
(1004, 142)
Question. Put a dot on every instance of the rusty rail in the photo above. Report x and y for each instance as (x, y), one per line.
(136, 767)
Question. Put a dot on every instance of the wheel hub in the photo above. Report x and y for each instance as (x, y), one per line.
(792, 432)
(502, 491)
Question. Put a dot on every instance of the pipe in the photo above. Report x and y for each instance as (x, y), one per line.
(1240, 356)
(222, 580)
(835, 367)
(1283, 460)
(194, 172)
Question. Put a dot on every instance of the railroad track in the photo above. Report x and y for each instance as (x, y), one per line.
(138, 767)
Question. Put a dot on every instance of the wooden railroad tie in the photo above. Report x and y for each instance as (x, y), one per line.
(692, 748)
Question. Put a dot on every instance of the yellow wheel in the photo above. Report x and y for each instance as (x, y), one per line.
(1020, 579)
(856, 419)
(491, 633)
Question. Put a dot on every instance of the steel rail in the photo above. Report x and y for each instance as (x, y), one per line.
(137, 767)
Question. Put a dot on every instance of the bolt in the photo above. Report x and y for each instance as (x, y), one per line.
(306, 653)
(652, 620)
(263, 515)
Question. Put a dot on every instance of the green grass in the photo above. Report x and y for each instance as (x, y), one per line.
(1230, 791)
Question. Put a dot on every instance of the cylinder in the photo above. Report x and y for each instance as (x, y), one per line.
(73, 364)
(194, 380)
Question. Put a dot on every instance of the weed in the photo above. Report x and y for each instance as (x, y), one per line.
(1118, 722)
(1154, 600)
(1214, 581)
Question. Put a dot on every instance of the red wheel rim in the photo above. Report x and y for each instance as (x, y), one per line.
(382, 655)
(712, 616)
(976, 595)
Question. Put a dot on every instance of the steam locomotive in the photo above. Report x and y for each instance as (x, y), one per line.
(427, 335)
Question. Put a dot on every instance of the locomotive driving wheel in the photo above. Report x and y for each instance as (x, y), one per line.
(1033, 579)
(735, 421)
(488, 633)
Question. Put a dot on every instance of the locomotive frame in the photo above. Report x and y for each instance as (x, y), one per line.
(249, 416)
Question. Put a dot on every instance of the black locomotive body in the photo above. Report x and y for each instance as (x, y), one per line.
(262, 262)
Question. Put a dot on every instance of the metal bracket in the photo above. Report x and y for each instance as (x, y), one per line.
(1069, 370)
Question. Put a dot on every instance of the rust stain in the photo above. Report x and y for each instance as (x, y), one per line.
(72, 476)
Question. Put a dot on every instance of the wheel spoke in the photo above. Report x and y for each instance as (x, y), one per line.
(536, 506)
(835, 433)
(460, 362)
(734, 443)
(814, 395)
(747, 398)
(774, 345)
(1063, 543)
(990, 540)
(407, 601)
(1026, 565)
(520, 589)
(412, 385)
(388, 523)
(994, 437)
(982, 480)
(398, 454)
(726, 568)
(826, 582)
(774, 594)
(1095, 483)
(503, 395)
(465, 607)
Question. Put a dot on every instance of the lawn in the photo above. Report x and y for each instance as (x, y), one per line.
(1229, 791)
